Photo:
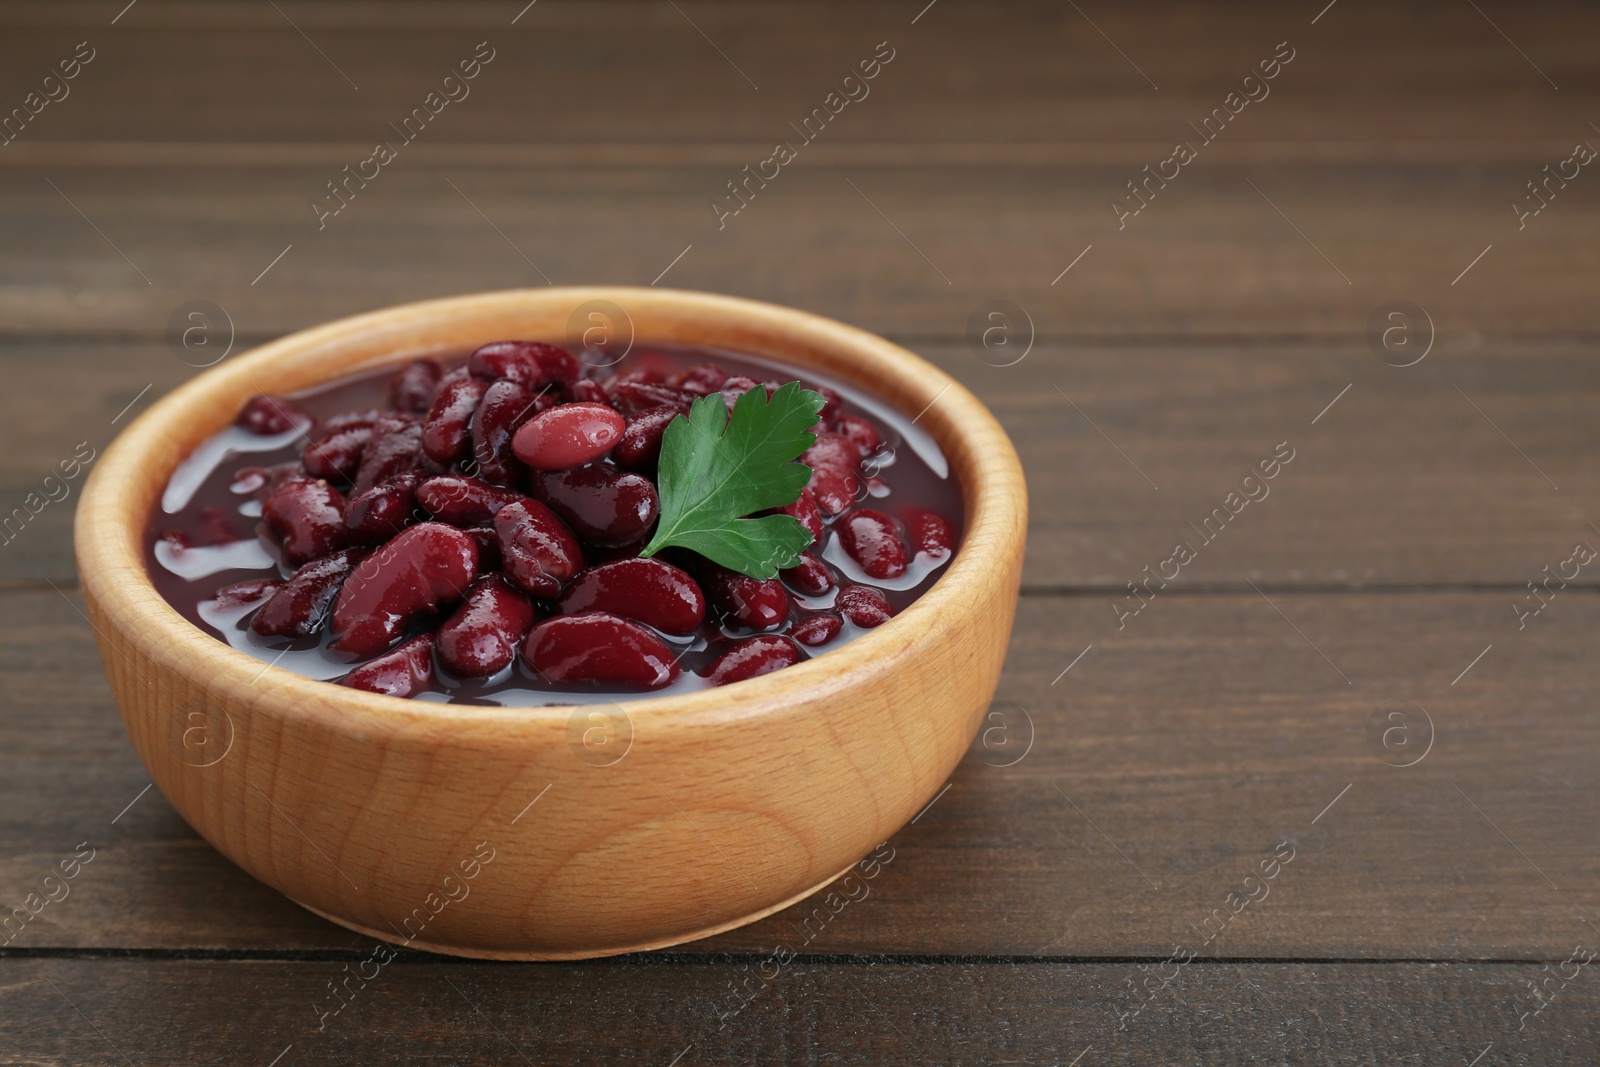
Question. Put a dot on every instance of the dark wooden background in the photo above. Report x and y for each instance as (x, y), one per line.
(1116, 804)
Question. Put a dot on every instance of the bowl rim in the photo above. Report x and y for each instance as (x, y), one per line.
(113, 574)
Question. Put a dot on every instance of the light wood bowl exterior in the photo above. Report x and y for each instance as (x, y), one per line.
(729, 804)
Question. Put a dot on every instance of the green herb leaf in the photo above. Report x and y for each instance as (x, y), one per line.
(716, 469)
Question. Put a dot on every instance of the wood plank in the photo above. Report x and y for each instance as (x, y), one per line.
(1209, 258)
(1401, 482)
(631, 72)
(647, 1012)
(1192, 744)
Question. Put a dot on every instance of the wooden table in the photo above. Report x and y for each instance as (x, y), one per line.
(1350, 673)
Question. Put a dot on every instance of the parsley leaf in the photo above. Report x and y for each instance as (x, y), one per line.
(716, 469)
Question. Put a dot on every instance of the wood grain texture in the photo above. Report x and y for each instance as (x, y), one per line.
(1196, 740)
(1400, 483)
(1210, 257)
(625, 72)
(720, 805)
(812, 1012)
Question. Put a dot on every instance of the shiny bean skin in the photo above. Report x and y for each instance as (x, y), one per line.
(537, 551)
(873, 541)
(405, 672)
(568, 436)
(753, 603)
(445, 433)
(300, 606)
(597, 648)
(426, 568)
(753, 657)
(463, 501)
(306, 515)
(602, 505)
(646, 590)
(482, 637)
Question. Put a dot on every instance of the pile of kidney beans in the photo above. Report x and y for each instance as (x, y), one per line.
(483, 529)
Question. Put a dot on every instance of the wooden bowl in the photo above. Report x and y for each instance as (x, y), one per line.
(559, 832)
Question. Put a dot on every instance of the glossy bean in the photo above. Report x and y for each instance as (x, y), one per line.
(752, 658)
(482, 637)
(445, 432)
(863, 605)
(537, 551)
(306, 515)
(568, 436)
(300, 607)
(873, 540)
(597, 648)
(405, 672)
(426, 568)
(602, 505)
(753, 603)
(647, 590)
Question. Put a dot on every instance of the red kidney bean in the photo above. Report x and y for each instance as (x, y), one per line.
(634, 397)
(507, 405)
(246, 594)
(262, 482)
(735, 387)
(584, 391)
(501, 360)
(873, 541)
(864, 605)
(835, 451)
(834, 490)
(603, 505)
(450, 377)
(424, 569)
(640, 446)
(644, 374)
(702, 379)
(336, 455)
(301, 606)
(411, 388)
(533, 362)
(538, 552)
(568, 436)
(444, 433)
(395, 449)
(805, 509)
(349, 420)
(405, 672)
(381, 512)
(754, 603)
(463, 501)
(267, 415)
(482, 637)
(835, 471)
(814, 630)
(752, 658)
(599, 648)
(859, 432)
(648, 590)
(306, 515)
(810, 577)
(931, 533)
